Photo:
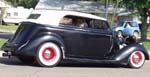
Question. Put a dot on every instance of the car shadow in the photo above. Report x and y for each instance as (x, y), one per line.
(11, 61)
(68, 64)
(89, 64)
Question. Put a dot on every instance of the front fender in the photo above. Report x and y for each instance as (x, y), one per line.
(33, 45)
(125, 52)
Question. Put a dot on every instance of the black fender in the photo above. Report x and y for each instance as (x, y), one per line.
(33, 45)
(123, 54)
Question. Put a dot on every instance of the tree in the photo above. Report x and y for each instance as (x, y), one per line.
(143, 10)
(25, 3)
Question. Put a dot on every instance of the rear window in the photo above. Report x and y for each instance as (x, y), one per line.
(34, 16)
(134, 24)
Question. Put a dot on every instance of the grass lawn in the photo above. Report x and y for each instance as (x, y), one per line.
(8, 27)
(2, 41)
(148, 34)
(147, 45)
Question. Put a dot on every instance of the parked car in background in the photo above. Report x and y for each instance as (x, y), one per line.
(48, 37)
(15, 15)
(127, 28)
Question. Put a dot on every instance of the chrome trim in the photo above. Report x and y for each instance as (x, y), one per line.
(23, 45)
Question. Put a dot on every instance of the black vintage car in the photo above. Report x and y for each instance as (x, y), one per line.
(48, 37)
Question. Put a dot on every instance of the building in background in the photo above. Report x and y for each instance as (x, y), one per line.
(15, 15)
(96, 8)
(3, 5)
(12, 15)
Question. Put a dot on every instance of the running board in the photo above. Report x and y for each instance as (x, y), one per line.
(83, 60)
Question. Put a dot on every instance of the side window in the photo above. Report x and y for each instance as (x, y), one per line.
(74, 21)
(128, 25)
(8, 14)
(81, 22)
(15, 13)
(99, 24)
(66, 21)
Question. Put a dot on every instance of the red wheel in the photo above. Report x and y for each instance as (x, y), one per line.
(49, 54)
(137, 59)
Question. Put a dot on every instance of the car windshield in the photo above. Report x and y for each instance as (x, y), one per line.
(120, 23)
(132, 24)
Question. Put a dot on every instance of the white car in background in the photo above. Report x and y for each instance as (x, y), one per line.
(16, 15)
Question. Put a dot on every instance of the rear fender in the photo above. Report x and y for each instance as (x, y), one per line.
(125, 52)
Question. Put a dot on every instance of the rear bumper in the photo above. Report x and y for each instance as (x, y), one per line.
(12, 50)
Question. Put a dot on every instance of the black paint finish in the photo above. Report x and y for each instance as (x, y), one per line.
(79, 43)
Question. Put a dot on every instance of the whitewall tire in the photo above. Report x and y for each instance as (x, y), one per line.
(136, 59)
(48, 55)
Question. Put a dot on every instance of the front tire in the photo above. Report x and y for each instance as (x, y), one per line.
(136, 59)
(48, 55)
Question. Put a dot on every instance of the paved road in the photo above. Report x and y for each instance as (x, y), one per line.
(14, 68)
(6, 35)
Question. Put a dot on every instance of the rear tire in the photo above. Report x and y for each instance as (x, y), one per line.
(48, 55)
(136, 59)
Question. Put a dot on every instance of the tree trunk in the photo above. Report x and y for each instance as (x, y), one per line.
(1, 15)
(144, 25)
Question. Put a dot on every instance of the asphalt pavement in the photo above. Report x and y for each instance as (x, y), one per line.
(5, 35)
(14, 68)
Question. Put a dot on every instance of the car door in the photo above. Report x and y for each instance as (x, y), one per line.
(95, 42)
(72, 38)
(127, 31)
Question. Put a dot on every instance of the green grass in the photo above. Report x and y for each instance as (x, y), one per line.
(148, 34)
(147, 45)
(2, 41)
(8, 27)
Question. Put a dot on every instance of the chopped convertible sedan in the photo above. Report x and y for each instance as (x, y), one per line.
(48, 37)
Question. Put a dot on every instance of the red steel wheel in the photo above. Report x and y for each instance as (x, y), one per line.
(137, 59)
(48, 55)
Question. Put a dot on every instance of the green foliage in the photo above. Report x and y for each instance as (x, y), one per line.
(137, 5)
(8, 27)
(25, 3)
(2, 41)
(146, 45)
(148, 34)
